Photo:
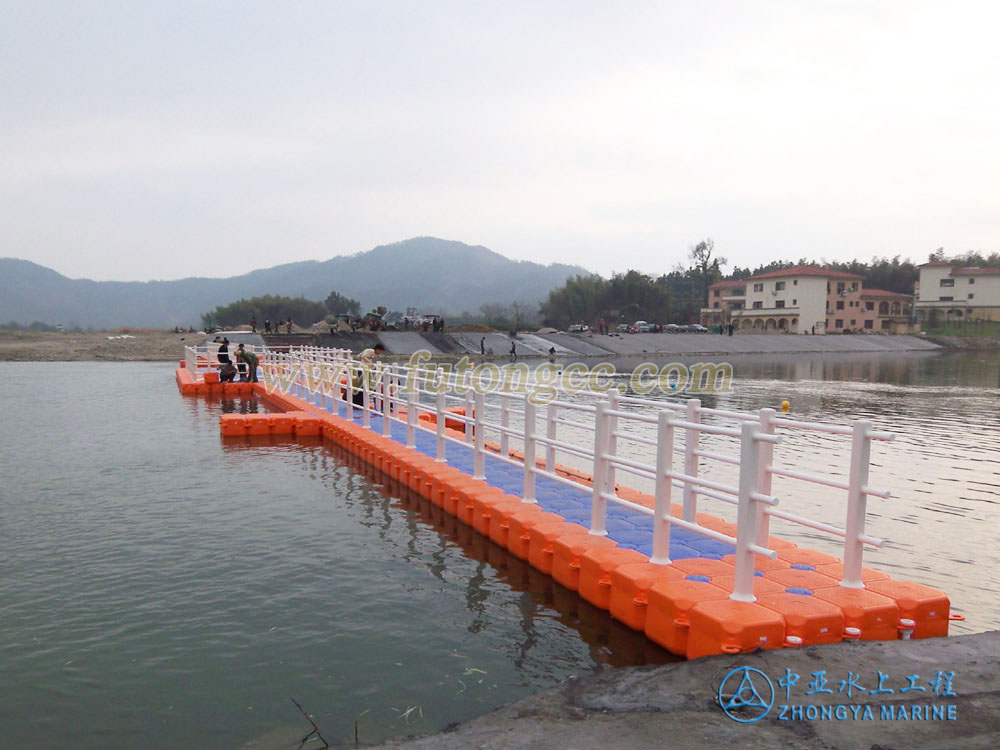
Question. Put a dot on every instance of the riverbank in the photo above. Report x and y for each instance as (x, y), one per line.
(675, 705)
(120, 345)
(131, 345)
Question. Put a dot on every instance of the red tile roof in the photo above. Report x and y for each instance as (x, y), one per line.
(727, 284)
(883, 293)
(806, 271)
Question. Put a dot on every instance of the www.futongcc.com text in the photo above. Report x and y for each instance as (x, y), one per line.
(542, 384)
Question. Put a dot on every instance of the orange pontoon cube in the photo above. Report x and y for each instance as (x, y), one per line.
(702, 566)
(669, 604)
(486, 506)
(875, 616)
(630, 585)
(566, 553)
(928, 607)
(808, 618)
(802, 556)
(520, 525)
(306, 425)
(233, 425)
(281, 424)
(210, 377)
(465, 508)
(726, 626)
(761, 586)
(500, 519)
(258, 424)
(596, 567)
(541, 539)
(792, 578)
(836, 570)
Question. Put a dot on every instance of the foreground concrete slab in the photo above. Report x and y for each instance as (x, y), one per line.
(677, 706)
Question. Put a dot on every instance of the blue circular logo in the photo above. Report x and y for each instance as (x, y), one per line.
(751, 696)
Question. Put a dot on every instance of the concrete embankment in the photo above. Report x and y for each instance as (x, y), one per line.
(593, 345)
(675, 705)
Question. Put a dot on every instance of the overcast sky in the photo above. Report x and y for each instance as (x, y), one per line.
(157, 140)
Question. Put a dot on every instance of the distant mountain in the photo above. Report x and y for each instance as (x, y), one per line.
(424, 272)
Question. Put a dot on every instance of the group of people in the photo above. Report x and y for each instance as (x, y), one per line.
(267, 325)
(245, 366)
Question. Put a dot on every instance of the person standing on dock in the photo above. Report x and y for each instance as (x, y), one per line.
(513, 351)
(253, 325)
(482, 345)
(251, 360)
(223, 351)
(267, 325)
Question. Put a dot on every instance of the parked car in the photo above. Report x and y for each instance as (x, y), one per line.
(641, 326)
(625, 328)
(578, 328)
(697, 328)
(672, 328)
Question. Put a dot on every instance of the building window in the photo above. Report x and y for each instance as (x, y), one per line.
(735, 305)
(947, 299)
(972, 281)
(838, 324)
(947, 282)
(971, 295)
(758, 287)
(795, 303)
(854, 286)
(780, 304)
(869, 324)
(795, 282)
(886, 324)
(840, 287)
(715, 305)
(853, 323)
(779, 285)
(740, 291)
(869, 305)
(758, 305)
(715, 293)
(840, 304)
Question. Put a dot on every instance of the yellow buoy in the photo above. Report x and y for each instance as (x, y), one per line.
(784, 406)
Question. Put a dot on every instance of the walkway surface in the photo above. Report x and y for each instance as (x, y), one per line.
(629, 528)
(675, 706)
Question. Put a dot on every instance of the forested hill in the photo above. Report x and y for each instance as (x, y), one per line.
(428, 273)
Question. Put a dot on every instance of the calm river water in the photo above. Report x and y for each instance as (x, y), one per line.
(160, 588)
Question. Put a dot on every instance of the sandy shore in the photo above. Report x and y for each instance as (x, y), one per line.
(123, 345)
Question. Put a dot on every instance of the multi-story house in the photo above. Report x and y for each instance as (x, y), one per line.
(958, 292)
(806, 299)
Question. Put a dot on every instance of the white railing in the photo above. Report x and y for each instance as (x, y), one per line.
(608, 432)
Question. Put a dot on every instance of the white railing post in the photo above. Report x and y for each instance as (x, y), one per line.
(661, 509)
(612, 445)
(386, 403)
(345, 391)
(528, 494)
(366, 397)
(857, 502)
(746, 515)
(765, 458)
(440, 456)
(598, 505)
(692, 439)
(505, 424)
(479, 461)
(411, 411)
(469, 407)
(550, 433)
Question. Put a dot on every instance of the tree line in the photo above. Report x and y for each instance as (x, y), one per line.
(277, 308)
(678, 296)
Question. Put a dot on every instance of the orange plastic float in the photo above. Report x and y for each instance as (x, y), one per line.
(566, 554)
(542, 538)
(596, 567)
(630, 585)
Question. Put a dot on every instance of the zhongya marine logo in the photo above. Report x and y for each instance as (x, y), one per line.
(746, 694)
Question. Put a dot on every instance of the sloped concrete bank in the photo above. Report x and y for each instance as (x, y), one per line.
(676, 706)
(592, 345)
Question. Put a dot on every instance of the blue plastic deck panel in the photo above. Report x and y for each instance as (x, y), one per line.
(629, 528)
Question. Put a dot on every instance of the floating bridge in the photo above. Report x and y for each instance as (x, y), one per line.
(603, 492)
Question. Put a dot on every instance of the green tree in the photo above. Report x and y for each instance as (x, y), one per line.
(303, 311)
(706, 268)
(337, 303)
